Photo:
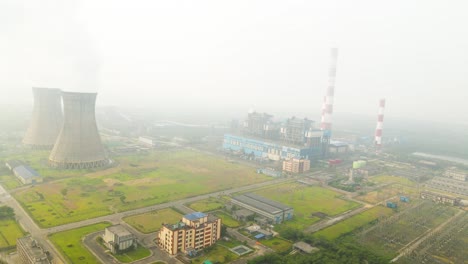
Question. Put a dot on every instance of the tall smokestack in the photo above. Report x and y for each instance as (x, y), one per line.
(326, 124)
(46, 119)
(378, 130)
(78, 145)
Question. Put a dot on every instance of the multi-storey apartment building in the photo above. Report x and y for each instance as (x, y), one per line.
(194, 232)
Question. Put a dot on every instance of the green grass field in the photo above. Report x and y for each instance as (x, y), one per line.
(227, 220)
(9, 232)
(307, 200)
(70, 245)
(207, 205)
(392, 179)
(216, 253)
(139, 181)
(354, 222)
(279, 245)
(133, 255)
(152, 221)
(9, 181)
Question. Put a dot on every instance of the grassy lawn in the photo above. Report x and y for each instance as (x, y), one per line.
(392, 179)
(216, 253)
(297, 223)
(133, 255)
(353, 222)
(308, 199)
(227, 220)
(207, 205)
(152, 221)
(277, 244)
(70, 245)
(9, 181)
(386, 192)
(138, 181)
(9, 232)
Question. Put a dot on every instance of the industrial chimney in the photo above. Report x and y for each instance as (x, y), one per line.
(46, 119)
(78, 145)
(327, 108)
(378, 129)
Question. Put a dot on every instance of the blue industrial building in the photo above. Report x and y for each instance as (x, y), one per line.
(271, 150)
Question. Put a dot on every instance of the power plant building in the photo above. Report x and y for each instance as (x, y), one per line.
(275, 212)
(46, 119)
(270, 149)
(78, 145)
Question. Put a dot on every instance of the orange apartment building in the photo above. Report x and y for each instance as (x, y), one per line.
(296, 165)
(194, 232)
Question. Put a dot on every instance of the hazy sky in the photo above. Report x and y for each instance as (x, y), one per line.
(267, 54)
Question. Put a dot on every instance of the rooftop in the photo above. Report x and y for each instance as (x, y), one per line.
(119, 230)
(26, 172)
(261, 203)
(195, 216)
(33, 249)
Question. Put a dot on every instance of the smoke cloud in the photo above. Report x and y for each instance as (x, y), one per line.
(60, 53)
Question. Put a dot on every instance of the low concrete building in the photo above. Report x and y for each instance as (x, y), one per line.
(147, 141)
(453, 186)
(30, 252)
(242, 214)
(27, 175)
(456, 174)
(304, 247)
(440, 198)
(275, 212)
(118, 238)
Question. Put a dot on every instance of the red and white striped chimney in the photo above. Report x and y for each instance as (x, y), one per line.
(323, 111)
(327, 113)
(378, 130)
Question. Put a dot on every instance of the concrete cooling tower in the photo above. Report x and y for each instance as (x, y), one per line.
(46, 119)
(78, 145)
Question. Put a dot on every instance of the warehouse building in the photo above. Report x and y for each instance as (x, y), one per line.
(275, 212)
(449, 185)
(194, 232)
(27, 175)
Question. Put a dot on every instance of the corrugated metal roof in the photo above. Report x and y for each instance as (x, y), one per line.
(25, 172)
(195, 216)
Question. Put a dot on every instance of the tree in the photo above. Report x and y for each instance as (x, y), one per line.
(64, 192)
(6, 212)
(122, 198)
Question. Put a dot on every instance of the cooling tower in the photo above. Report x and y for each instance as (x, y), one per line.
(46, 119)
(78, 145)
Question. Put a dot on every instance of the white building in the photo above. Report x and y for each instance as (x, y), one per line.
(118, 238)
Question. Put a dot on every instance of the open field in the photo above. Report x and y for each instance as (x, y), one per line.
(307, 200)
(387, 192)
(227, 220)
(279, 245)
(9, 232)
(392, 179)
(138, 181)
(133, 255)
(216, 253)
(70, 245)
(152, 221)
(207, 205)
(394, 232)
(354, 222)
(9, 181)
